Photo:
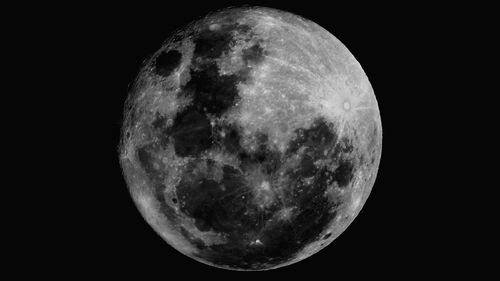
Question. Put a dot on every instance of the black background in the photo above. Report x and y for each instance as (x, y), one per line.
(400, 230)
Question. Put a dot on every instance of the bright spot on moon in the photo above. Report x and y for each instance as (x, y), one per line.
(347, 105)
(214, 26)
(265, 186)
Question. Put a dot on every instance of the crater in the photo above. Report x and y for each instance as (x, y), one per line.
(167, 62)
(347, 105)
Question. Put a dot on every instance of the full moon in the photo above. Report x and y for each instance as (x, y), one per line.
(251, 139)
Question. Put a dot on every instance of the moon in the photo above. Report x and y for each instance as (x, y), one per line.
(251, 139)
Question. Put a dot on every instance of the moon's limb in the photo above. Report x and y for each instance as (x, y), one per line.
(305, 74)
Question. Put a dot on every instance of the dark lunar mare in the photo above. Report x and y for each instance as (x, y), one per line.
(225, 211)
(211, 44)
(254, 54)
(216, 205)
(192, 133)
(211, 93)
(166, 62)
(225, 205)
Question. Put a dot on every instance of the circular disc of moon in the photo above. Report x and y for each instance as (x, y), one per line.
(251, 139)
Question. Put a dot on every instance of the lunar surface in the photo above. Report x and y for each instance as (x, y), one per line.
(251, 139)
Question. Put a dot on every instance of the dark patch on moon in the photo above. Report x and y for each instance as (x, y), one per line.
(231, 140)
(159, 122)
(214, 205)
(280, 240)
(148, 162)
(167, 62)
(344, 173)
(319, 134)
(211, 92)
(191, 132)
(254, 54)
(269, 160)
(211, 44)
(226, 204)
